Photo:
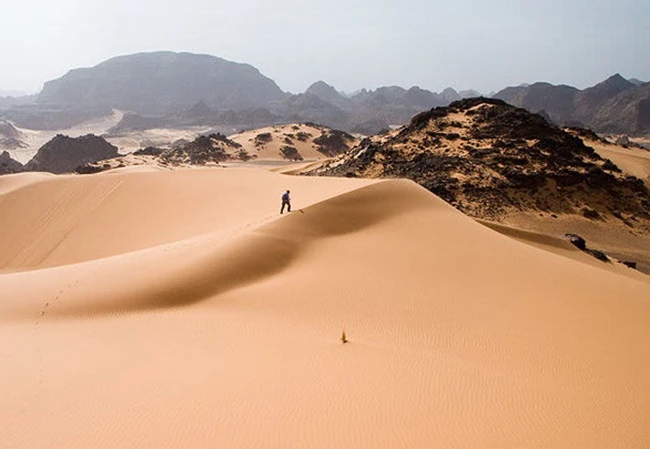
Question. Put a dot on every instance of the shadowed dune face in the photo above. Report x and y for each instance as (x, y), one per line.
(53, 221)
(208, 271)
(226, 333)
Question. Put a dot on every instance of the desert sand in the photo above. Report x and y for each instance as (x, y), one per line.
(147, 308)
(633, 161)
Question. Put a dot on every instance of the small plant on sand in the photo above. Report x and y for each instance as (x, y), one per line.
(344, 339)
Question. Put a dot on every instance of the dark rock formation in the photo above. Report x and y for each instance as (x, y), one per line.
(577, 241)
(149, 151)
(64, 154)
(291, 153)
(487, 158)
(629, 264)
(333, 142)
(9, 165)
(214, 148)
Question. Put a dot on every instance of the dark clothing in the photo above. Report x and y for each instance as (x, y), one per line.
(286, 201)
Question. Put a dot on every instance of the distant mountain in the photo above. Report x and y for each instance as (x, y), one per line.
(12, 101)
(450, 95)
(556, 101)
(470, 93)
(327, 93)
(614, 105)
(636, 82)
(162, 82)
(12, 93)
(64, 154)
(590, 99)
(625, 113)
(167, 89)
(10, 137)
(9, 131)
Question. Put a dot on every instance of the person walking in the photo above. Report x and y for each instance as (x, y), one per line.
(286, 201)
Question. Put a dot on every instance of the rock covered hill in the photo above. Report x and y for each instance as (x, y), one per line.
(297, 141)
(488, 158)
(282, 143)
(9, 165)
(64, 154)
(162, 82)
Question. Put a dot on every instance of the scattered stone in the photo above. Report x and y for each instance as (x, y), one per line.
(591, 214)
(623, 141)
(291, 153)
(599, 255)
(577, 241)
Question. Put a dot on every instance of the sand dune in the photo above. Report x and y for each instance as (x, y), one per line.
(633, 161)
(178, 309)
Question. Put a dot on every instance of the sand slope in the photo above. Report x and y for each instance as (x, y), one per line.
(633, 161)
(222, 330)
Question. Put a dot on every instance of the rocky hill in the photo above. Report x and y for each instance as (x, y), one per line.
(214, 148)
(489, 158)
(9, 165)
(162, 82)
(64, 154)
(281, 143)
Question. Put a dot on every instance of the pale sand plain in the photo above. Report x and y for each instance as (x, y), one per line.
(145, 308)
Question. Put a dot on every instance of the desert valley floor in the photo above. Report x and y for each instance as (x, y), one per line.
(148, 308)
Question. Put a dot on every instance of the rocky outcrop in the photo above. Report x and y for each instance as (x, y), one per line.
(211, 149)
(9, 165)
(488, 158)
(333, 142)
(64, 154)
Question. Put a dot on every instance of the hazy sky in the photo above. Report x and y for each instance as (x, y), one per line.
(481, 44)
